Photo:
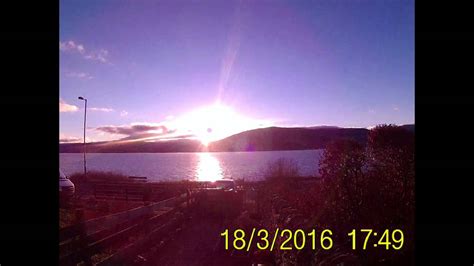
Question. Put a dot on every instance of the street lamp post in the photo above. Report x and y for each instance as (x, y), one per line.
(85, 117)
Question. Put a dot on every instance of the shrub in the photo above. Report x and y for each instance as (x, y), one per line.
(371, 187)
(281, 169)
(97, 176)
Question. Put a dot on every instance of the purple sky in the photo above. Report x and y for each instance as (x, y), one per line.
(147, 66)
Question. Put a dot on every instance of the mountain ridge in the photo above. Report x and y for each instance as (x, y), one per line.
(261, 139)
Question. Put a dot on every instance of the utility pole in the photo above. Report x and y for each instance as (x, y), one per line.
(85, 119)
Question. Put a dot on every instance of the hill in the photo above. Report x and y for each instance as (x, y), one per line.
(262, 139)
(278, 138)
(184, 145)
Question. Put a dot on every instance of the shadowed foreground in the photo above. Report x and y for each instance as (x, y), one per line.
(198, 243)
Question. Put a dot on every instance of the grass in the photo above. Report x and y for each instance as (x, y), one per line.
(281, 169)
(66, 217)
(98, 176)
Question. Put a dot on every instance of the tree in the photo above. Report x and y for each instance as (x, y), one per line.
(371, 187)
(341, 169)
(392, 161)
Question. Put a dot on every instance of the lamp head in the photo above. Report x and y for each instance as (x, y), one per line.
(81, 98)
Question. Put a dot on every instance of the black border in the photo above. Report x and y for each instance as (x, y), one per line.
(444, 53)
(29, 132)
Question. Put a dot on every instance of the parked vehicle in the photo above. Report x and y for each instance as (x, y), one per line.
(66, 187)
(220, 197)
(225, 184)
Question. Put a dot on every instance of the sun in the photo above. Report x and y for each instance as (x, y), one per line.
(215, 122)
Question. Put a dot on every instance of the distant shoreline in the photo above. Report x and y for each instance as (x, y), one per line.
(189, 151)
(261, 139)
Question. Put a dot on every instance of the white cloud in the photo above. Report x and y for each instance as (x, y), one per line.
(101, 109)
(79, 75)
(66, 138)
(101, 56)
(71, 46)
(63, 138)
(65, 107)
(80, 48)
(123, 113)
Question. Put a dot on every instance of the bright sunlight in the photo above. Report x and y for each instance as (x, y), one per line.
(209, 168)
(216, 122)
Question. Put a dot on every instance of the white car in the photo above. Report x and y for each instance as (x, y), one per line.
(66, 187)
(225, 184)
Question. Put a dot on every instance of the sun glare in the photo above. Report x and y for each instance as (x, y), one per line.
(209, 168)
(216, 122)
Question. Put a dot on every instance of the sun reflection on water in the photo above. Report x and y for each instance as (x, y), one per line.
(208, 168)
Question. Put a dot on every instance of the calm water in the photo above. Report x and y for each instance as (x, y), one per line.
(191, 166)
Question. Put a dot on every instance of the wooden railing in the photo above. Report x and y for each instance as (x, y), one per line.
(134, 191)
(122, 234)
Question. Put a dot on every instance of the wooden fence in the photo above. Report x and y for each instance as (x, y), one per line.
(118, 238)
(134, 191)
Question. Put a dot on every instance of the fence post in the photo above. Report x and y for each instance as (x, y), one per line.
(82, 242)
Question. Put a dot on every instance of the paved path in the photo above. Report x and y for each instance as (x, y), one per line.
(199, 243)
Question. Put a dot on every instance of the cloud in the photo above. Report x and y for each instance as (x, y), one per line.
(101, 56)
(100, 109)
(74, 47)
(71, 139)
(123, 113)
(396, 109)
(206, 124)
(177, 137)
(71, 46)
(79, 75)
(137, 130)
(65, 107)
(68, 139)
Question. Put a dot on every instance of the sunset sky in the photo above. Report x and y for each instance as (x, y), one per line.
(207, 69)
